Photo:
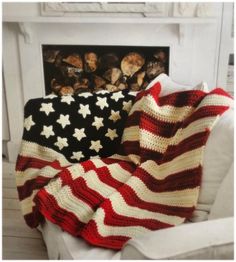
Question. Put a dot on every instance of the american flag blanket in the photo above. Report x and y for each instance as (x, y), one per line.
(152, 182)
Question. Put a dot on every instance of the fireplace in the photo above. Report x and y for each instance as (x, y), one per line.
(190, 43)
(72, 69)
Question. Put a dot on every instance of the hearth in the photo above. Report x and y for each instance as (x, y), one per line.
(72, 69)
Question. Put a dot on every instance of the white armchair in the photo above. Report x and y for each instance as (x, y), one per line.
(208, 234)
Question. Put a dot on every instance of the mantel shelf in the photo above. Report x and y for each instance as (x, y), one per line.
(111, 20)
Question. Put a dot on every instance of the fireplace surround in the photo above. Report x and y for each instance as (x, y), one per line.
(193, 42)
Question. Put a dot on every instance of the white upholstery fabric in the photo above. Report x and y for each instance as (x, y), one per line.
(224, 202)
(63, 246)
(204, 240)
(218, 158)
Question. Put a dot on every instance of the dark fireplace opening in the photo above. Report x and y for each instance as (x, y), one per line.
(72, 69)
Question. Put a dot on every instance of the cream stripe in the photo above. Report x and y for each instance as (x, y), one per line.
(120, 157)
(136, 106)
(167, 113)
(122, 208)
(27, 204)
(32, 173)
(30, 149)
(131, 134)
(54, 186)
(105, 230)
(98, 162)
(216, 100)
(135, 158)
(160, 144)
(118, 173)
(76, 171)
(66, 200)
(180, 198)
(188, 160)
(93, 182)
(129, 231)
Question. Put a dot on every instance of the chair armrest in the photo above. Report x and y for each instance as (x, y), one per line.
(212, 239)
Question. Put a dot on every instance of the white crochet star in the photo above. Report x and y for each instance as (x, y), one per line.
(61, 142)
(103, 92)
(84, 110)
(67, 99)
(77, 155)
(102, 102)
(79, 133)
(63, 120)
(47, 131)
(46, 108)
(51, 96)
(133, 93)
(96, 145)
(111, 133)
(115, 115)
(85, 94)
(98, 122)
(127, 106)
(117, 95)
(28, 123)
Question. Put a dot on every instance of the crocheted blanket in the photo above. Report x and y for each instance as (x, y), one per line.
(151, 183)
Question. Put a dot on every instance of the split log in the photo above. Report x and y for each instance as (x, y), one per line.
(161, 56)
(55, 86)
(108, 61)
(50, 55)
(111, 88)
(135, 87)
(132, 63)
(66, 90)
(112, 75)
(122, 86)
(90, 62)
(140, 78)
(58, 59)
(99, 82)
(75, 60)
(73, 71)
(81, 84)
(154, 68)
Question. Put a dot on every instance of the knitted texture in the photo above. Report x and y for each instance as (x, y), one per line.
(151, 183)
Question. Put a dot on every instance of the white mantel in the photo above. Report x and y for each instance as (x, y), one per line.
(194, 48)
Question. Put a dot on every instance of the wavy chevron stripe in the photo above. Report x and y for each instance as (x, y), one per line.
(151, 183)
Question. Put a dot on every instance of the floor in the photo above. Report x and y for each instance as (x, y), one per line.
(19, 241)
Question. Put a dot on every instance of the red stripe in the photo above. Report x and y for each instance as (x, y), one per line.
(90, 234)
(176, 181)
(205, 111)
(81, 191)
(131, 147)
(158, 127)
(114, 219)
(193, 142)
(131, 199)
(133, 119)
(24, 163)
(182, 98)
(27, 189)
(47, 205)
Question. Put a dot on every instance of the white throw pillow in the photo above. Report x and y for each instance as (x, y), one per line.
(168, 86)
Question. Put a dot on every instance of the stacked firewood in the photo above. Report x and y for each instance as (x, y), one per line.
(76, 73)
